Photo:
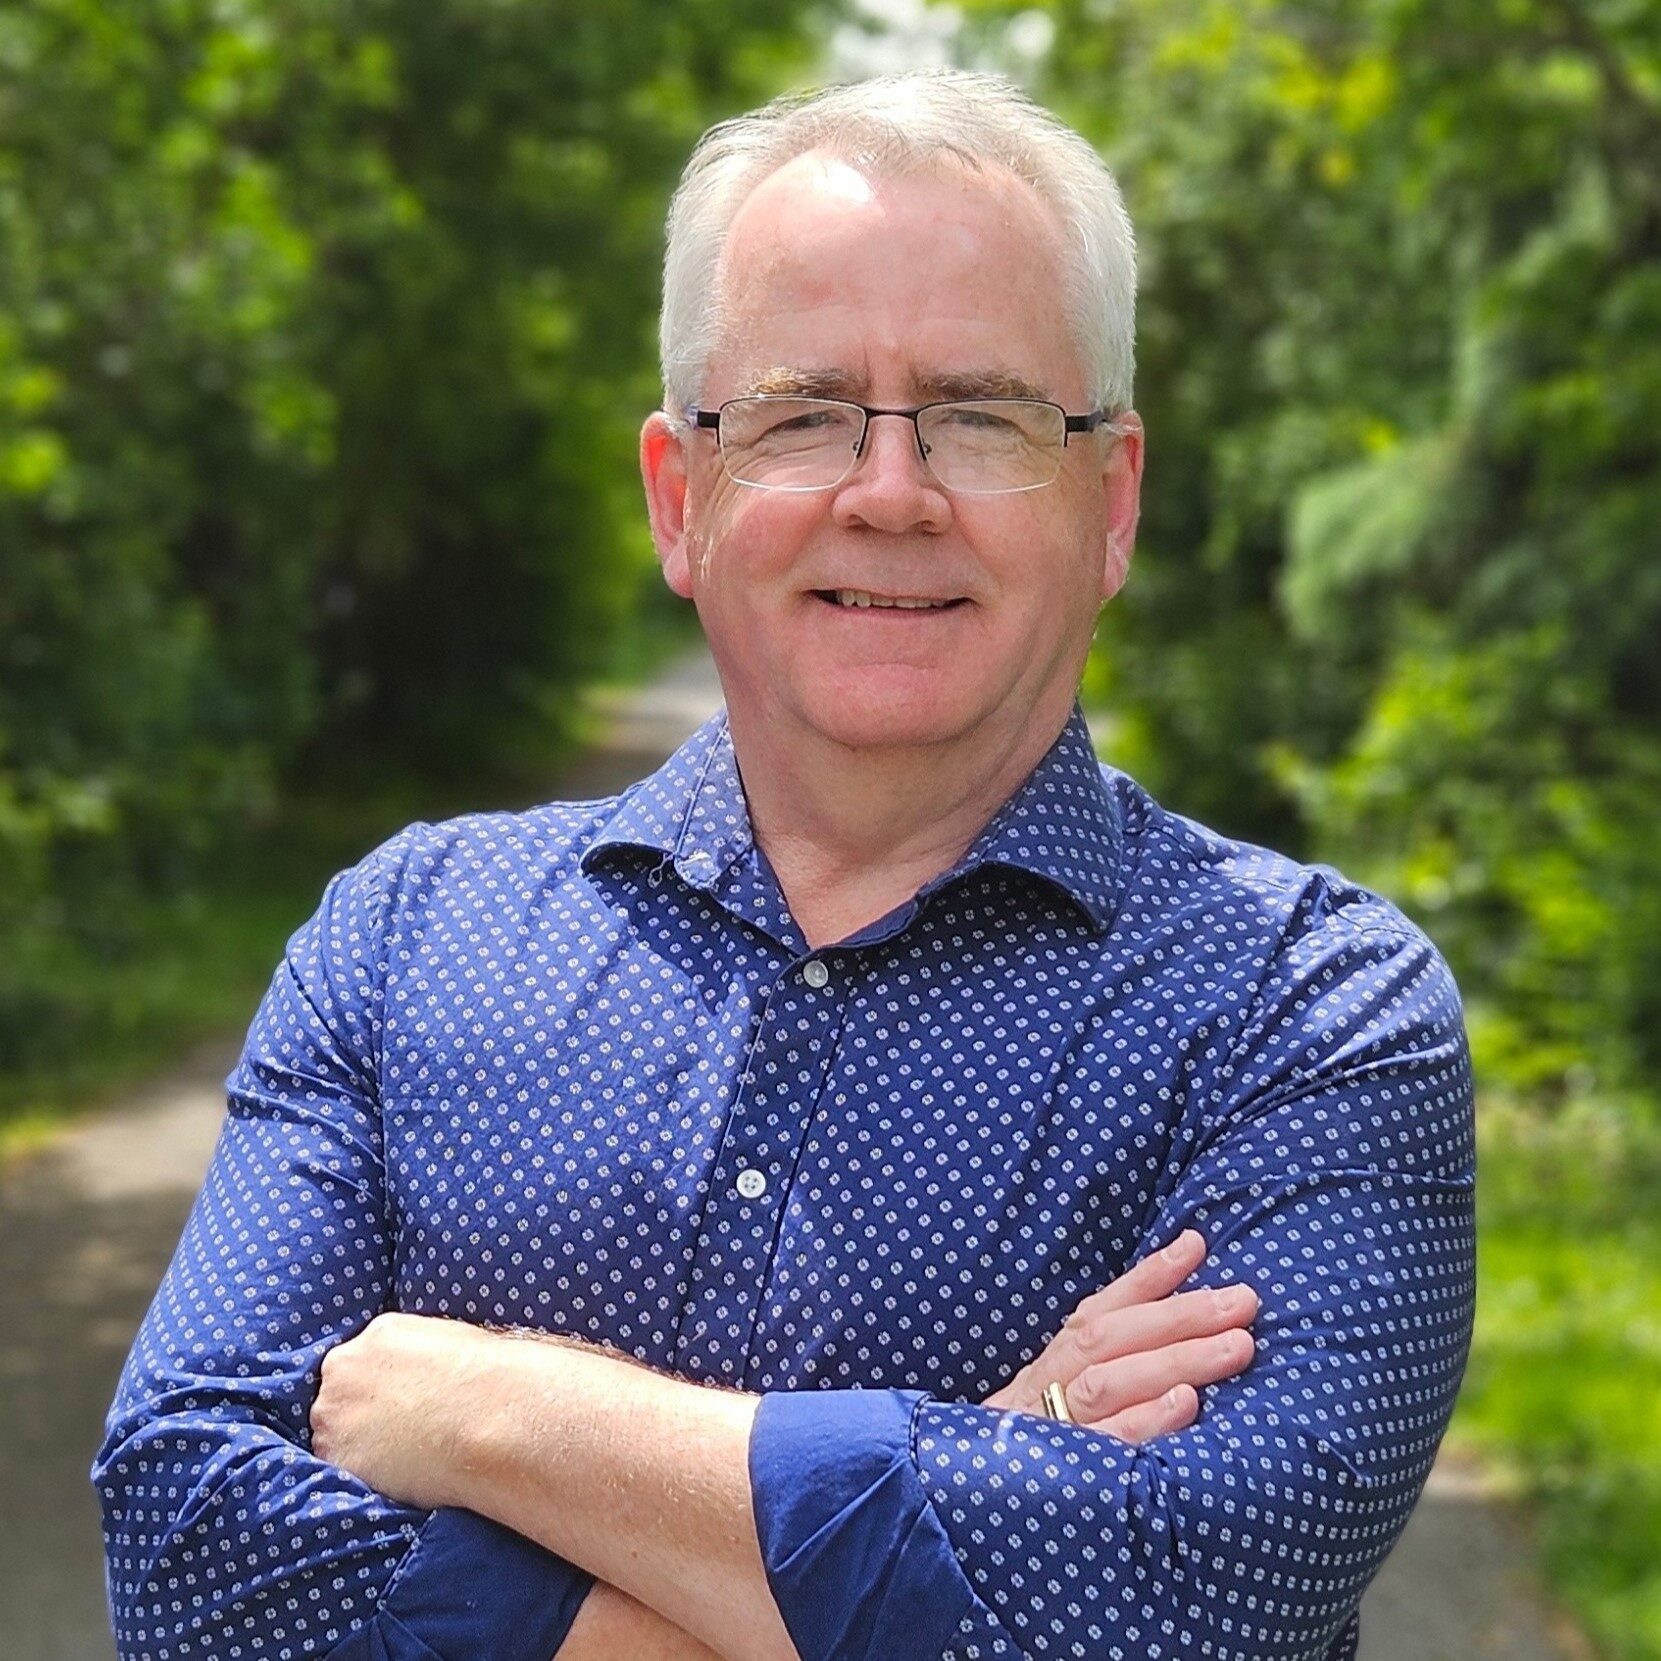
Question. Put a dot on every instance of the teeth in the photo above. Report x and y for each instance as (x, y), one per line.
(858, 597)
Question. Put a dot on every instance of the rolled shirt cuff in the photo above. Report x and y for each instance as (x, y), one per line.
(856, 1557)
(467, 1588)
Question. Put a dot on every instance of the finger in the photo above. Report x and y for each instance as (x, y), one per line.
(1151, 1326)
(1111, 1386)
(1157, 1275)
(1175, 1410)
(1150, 1281)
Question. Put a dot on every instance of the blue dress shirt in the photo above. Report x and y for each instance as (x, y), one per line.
(577, 1069)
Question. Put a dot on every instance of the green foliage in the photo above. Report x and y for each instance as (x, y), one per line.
(1561, 1382)
(325, 336)
(1488, 791)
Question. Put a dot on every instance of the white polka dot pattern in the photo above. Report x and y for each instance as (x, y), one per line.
(578, 1069)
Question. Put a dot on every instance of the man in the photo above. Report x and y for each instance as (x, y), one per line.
(846, 1106)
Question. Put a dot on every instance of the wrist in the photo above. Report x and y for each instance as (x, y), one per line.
(492, 1419)
(534, 1404)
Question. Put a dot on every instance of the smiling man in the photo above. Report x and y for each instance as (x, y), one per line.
(957, 1207)
(876, 737)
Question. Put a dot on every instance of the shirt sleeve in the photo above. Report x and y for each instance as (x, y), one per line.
(225, 1536)
(1332, 1168)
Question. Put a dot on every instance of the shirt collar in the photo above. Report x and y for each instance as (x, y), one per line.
(1064, 824)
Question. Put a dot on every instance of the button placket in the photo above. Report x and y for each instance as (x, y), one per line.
(788, 1063)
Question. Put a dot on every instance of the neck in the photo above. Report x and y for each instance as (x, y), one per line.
(852, 832)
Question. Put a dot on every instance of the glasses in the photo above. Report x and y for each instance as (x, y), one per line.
(980, 446)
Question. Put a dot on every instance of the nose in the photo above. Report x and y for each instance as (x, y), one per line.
(891, 487)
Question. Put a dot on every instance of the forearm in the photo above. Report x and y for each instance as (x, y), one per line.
(639, 1478)
(612, 1626)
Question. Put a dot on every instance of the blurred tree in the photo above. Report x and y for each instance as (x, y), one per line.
(1400, 357)
(324, 338)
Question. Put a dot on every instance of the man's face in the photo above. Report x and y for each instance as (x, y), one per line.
(894, 292)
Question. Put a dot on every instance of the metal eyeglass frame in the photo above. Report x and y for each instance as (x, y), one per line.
(1070, 424)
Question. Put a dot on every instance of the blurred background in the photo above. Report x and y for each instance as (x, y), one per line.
(325, 337)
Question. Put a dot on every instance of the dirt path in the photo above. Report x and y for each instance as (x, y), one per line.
(87, 1226)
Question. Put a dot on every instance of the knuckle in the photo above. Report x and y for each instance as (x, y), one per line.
(1204, 1308)
(1094, 1391)
(1095, 1336)
(1090, 1308)
(1083, 1397)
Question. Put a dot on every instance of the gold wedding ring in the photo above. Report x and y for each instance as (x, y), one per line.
(1055, 1403)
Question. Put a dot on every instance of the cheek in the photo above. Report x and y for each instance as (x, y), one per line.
(1030, 553)
(752, 537)
(1076, 544)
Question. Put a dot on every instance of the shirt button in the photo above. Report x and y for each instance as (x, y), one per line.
(814, 972)
(752, 1184)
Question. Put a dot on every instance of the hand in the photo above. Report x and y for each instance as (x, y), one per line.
(1131, 1355)
(611, 1624)
(392, 1405)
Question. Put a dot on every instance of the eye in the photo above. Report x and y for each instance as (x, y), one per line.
(980, 420)
(804, 423)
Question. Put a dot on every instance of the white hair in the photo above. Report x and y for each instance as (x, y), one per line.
(895, 124)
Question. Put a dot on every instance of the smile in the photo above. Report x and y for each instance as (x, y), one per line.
(856, 599)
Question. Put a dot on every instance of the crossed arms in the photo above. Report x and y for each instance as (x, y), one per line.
(1333, 1176)
(642, 1479)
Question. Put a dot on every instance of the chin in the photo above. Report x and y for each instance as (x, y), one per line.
(876, 712)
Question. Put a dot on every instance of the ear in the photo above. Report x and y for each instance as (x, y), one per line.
(663, 471)
(1121, 484)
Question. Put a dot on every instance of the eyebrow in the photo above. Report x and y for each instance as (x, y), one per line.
(841, 383)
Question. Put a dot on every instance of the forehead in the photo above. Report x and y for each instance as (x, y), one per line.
(949, 280)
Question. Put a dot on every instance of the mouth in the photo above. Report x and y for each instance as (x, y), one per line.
(863, 603)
